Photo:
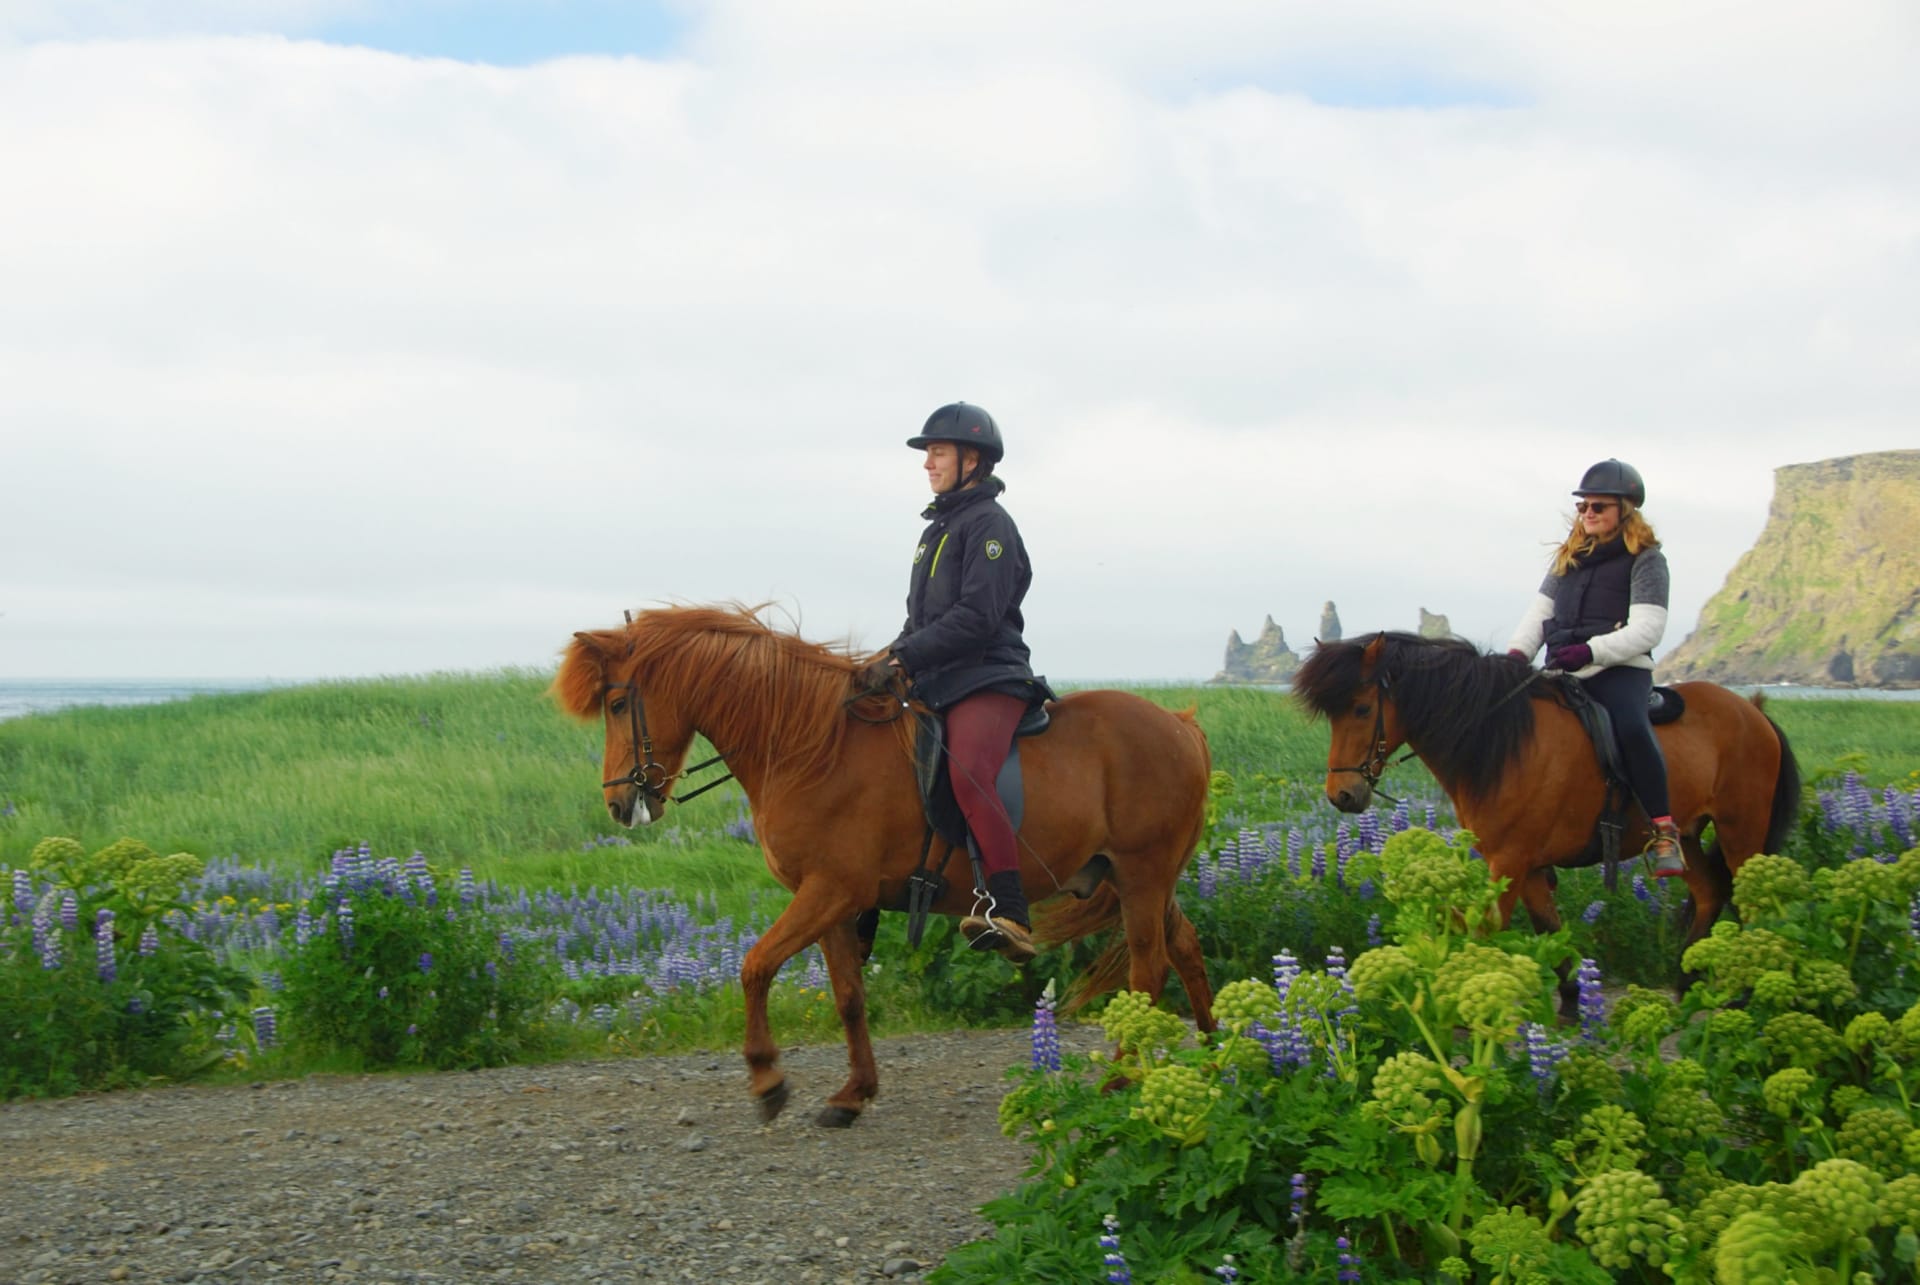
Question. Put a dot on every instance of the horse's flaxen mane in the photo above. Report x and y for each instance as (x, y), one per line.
(1467, 713)
(763, 695)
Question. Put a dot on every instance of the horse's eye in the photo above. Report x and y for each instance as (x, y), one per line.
(618, 705)
(1361, 711)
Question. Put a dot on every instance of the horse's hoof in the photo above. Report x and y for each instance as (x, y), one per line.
(836, 1117)
(773, 1102)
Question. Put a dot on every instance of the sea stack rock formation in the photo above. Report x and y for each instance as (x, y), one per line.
(1830, 594)
(1267, 659)
(1433, 625)
(1329, 624)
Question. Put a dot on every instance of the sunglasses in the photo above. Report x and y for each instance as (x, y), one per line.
(1592, 506)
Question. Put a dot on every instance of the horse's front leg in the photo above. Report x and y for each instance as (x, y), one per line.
(842, 946)
(815, 907)
(1544, 913)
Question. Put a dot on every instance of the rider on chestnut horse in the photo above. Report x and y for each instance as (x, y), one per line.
(962, 651)
(1600, 613)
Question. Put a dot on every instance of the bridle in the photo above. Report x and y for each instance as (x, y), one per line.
(648, 774)
(1376, 764)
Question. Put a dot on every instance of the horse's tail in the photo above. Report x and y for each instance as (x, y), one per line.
(1070, 919)
(1786, 792)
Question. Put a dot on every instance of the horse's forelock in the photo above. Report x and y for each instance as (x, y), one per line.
(1326, 681)
(582, 679)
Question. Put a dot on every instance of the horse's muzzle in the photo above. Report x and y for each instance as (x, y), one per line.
(1350, 796)
(629, 808)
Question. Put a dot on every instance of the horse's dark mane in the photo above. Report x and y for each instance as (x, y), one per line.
(1468, 714)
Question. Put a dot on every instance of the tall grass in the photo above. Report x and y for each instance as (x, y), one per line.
(482, 770)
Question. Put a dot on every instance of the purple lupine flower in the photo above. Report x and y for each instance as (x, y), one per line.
(1544, 1055)
(103, 944)
(1593, 1005)
(1373, 930)
(23, 893)
(383, 992)
(1046, 1034)
(1116, 1262)
(1640, 889)
(1205, 877)
(46, 941)
(426, 961)
(69, 911)
(1349, 1261)
(469, 890)
(1299, 1199)
(1913, 918)
(1319, 867)
(1227, 1271)
(413, 1028)
(150, 940)
(1296, 843)
(1593, 911)
(344, 917)
(266, 1030)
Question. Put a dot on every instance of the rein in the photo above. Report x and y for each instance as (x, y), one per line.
(650, 775)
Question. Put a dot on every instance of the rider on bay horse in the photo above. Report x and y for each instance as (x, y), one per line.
(1600, 613)
(962, 650)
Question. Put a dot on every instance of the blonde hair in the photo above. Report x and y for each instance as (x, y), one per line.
(1634, 528)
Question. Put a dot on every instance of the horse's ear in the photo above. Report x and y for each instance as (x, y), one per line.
(1374, 651)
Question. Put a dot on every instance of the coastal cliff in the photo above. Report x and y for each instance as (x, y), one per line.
(1830, 593)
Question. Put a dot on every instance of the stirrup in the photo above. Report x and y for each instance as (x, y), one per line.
(1671, 864)
(1011, 940)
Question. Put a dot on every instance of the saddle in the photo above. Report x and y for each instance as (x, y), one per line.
(944, 818)
(1664, 705)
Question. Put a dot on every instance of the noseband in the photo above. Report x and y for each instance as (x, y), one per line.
(649, 775)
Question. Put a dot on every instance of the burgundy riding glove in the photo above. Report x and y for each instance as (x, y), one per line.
(1570, 657)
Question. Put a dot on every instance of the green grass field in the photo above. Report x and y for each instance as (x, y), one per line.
(481, 770)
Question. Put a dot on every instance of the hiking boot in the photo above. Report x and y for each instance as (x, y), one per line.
(1669, 862)
(999, 933)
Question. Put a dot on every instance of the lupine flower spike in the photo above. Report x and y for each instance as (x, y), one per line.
(1046, 1034)
(1349, 1261)
(1116, 1262)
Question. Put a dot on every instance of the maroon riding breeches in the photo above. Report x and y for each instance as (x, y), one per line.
(979, 735)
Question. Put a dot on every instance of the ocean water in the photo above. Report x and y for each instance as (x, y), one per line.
(19, 696)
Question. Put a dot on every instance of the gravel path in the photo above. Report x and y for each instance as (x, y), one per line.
(646, 1168)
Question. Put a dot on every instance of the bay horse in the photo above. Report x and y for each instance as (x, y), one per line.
(1520, 768)
(1116, 799)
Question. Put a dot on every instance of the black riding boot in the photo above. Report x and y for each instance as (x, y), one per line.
(1004, 926)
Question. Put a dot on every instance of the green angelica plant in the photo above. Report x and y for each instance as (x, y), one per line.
(1760, 1129)
(394, 973)
(98, 986)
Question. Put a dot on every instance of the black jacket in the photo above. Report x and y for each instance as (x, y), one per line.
(969, 576)
(1593, 596)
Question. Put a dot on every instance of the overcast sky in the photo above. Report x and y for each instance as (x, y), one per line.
(347, 337)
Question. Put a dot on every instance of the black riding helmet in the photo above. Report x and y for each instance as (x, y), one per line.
(965, 424)
(1613, 477)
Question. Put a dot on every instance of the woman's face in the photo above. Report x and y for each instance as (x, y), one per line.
(1599, 515)
(946, 461)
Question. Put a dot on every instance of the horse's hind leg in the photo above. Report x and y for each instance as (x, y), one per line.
(815, 907)
(845, 951)
(1144, 920)
(1183, 948)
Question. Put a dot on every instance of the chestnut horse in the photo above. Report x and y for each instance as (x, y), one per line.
(1521, 771)
(1116, 799)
